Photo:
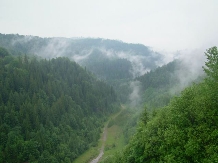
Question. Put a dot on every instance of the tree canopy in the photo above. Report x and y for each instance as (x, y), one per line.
(184, 131)
(50, 110)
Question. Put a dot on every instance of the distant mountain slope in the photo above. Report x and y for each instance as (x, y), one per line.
(50, 110)
(113, 61)
(137, 58)
(159, 85)
(156, 85)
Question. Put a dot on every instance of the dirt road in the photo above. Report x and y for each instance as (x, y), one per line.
(104, 137)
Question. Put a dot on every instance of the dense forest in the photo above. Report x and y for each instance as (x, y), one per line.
(81, 49)
(157, 84)
(108, 69)
(183, 131)
(113, 61)
(53, 110)
(50, 110)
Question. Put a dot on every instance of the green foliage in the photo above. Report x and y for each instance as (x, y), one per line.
(3, 52)
(157, 83)
(211, 64)
(184, 131)
(108, 69)
(107, 59)
(50, 110)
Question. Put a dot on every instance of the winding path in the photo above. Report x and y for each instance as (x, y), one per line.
(104, 137)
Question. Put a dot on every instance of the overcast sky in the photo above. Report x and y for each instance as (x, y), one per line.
(162, 24)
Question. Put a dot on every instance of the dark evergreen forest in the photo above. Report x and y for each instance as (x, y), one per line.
(157, 83)
(50, 110)
(113, 61)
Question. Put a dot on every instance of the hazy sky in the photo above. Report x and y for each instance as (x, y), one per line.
(162, 24)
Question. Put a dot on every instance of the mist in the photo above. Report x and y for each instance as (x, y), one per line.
(59, 47)
(135, 97)
(189, 69)
(80, 58)
(56, 47)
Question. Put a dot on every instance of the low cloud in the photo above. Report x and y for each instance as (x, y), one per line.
(56, 47)
(135, 97)
(190, 67)
(82, 56)
(140, 63)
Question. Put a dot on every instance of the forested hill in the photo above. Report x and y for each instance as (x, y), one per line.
(108, 59)
(50, 110)
(184, 131)
(164, 82)
(157, 85)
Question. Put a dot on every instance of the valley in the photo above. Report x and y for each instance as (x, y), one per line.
(110, 142)
(103, 101)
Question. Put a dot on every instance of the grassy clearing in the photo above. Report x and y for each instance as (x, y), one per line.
(92, 152)
(115, 141)
(115, 137)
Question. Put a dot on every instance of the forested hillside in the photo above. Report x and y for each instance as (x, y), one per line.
(86, 50)
(156, 85)
(184, 131)
(164, 82)
(113, 61)
(50, 110)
